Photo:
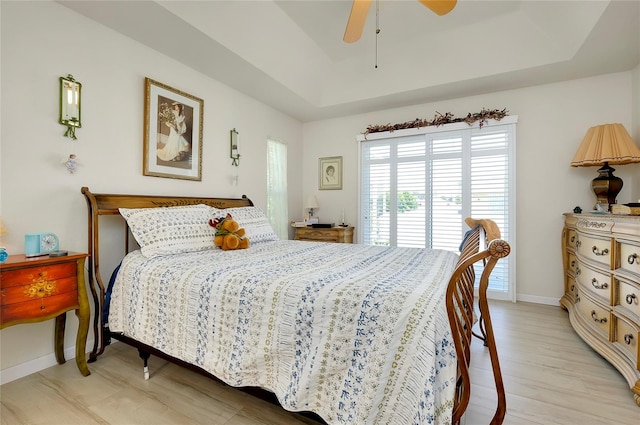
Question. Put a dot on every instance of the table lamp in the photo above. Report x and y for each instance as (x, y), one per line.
(312, 203)
(603, 145)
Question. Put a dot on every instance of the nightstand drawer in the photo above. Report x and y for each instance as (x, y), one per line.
(39, 289)
(39, 309)
(319, 235)
(328, 234)
(29, 275)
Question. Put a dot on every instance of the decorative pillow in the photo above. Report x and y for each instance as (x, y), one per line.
(256, 224)
(171, 230)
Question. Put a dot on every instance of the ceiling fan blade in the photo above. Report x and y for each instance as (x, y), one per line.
(440, 7)
(357, 18)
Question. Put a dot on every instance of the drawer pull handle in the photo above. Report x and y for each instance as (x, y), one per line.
(573, 263)
(594, 316)
(599, 252)
(42, 307)
(578, 271)
(594, 283)
(630, 298)
(628, 338)
(573, 287)
(573, 238)
(633, 258)
(578, 243)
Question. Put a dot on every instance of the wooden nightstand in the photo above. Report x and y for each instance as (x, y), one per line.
(330, 234)
(42, 288)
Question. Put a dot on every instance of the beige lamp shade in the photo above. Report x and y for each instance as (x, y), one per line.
(606, 143)
(312, 202)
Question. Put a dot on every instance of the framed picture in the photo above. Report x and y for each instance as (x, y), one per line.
(330, 173)
(172, 133)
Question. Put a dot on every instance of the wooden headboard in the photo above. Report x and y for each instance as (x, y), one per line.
(103, 204)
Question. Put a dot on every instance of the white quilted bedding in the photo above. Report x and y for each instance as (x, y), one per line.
(357, 334)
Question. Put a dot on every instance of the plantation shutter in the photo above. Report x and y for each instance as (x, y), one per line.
(416, 189)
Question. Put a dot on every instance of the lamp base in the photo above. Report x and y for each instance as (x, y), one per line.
(606, 186)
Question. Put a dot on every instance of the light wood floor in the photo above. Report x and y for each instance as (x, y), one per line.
(551, 377)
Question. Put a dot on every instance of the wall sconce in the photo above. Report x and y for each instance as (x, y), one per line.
(235, 152)
(70, 92)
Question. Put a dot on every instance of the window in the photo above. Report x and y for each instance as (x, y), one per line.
(417, 188)
(277, 210)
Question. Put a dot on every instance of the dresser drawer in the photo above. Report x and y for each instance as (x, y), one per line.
(572, 287)
(572, 263)
(626, 335)
(594, 314)
(39, 289)
(595, 282)
(39, 309)
(628, 297)
(31, 274)
(594, 249)
(572, 238)
(630, 257)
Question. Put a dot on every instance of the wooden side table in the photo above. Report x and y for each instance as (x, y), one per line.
(329, 234)
(42, 288)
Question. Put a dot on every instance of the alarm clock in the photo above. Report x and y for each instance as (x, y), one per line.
(36, 244)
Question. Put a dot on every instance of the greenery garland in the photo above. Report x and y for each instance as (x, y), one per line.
(441, 119)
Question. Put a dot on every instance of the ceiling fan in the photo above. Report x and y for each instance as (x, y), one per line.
(360, 9)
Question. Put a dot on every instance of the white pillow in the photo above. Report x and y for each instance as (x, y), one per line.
(171, 230)
(256, 224)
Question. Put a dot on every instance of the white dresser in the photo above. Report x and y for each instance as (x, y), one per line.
(601, 259)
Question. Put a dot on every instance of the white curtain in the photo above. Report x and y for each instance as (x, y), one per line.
(277, 209)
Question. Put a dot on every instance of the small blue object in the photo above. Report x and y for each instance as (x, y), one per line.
(3, 255)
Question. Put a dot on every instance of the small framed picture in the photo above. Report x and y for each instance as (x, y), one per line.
(172, 133)
(330, 173)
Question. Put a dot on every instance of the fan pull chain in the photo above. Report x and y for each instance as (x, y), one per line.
(377, 29)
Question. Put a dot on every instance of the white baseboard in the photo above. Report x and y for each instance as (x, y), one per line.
(538, 300)
(36, 365)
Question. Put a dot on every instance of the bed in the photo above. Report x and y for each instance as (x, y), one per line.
(355, 334)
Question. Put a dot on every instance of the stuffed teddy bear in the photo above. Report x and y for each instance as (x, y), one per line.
(229, 234)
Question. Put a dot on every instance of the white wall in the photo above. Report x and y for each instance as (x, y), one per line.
(552, 120)
(42, 41)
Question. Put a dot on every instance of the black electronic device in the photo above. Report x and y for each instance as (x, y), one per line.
(322, 225)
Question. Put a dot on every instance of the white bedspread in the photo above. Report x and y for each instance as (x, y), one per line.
(357, 334)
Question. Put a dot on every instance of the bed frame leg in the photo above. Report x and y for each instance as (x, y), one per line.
(145, 358)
